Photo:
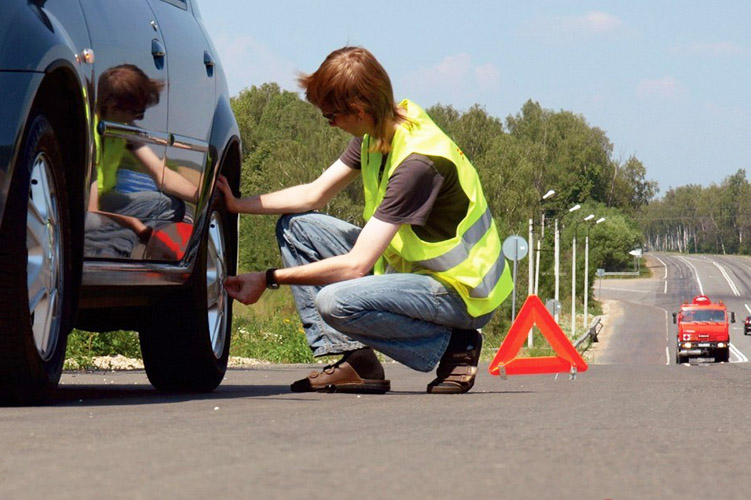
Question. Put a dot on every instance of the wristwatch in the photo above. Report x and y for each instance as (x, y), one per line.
(271, 282)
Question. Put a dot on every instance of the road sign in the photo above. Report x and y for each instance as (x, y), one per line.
(553, 306)
(533, 313)
(515, 248)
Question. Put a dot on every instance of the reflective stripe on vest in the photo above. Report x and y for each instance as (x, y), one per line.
(459, 253)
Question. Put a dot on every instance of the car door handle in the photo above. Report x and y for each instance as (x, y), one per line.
(207, 59)
(157, 48)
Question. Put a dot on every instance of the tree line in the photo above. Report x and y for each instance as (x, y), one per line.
(696, 219)
(286, 141)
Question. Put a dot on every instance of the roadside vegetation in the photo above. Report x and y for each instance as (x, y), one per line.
(696, 219)
(286, 141)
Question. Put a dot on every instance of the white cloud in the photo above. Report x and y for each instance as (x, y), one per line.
(592, 23)
(666, 87)
(247, 62)
(457, 72)
(598, 22)
(452, 68)
(488, 76)
(737, 116)
(455, 80)
(711, 49)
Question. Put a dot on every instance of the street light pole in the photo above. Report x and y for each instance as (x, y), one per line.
(573, 273)
(556, 270)
(546, 196)
(586, 267)
(531, 281)
(558, 262)
(573, 282)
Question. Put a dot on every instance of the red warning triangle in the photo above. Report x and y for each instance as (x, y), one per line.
(532, 313)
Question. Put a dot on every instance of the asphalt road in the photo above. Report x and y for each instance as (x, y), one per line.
(632, 426)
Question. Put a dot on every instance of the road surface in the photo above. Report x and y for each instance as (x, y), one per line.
(635, 425)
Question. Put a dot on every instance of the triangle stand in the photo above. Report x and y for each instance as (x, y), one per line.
(534, 313)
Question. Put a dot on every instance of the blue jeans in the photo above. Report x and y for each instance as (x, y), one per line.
(408, 317)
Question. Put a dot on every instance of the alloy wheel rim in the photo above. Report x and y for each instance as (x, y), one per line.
(43, 266)
(216, 295)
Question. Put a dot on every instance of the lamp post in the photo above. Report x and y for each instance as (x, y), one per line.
(546, 196)
(558, 261)
(586, 266)
(573, 272)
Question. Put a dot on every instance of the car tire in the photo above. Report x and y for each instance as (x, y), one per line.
(36, 270)
(722, 355)
(185, 345)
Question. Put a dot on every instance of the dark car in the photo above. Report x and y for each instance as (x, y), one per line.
(747, 326)
(115, 124)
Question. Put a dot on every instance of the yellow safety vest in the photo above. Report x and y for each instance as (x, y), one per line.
(109, 155)
(472, 261)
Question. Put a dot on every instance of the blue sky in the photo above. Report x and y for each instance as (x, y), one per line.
(668, 81)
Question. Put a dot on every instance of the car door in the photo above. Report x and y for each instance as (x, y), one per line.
(130, 114)
(191, 109)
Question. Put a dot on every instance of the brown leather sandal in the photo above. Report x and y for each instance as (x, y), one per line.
(457, 370)
(340, 377)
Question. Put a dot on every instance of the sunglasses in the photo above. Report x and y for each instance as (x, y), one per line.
(330, 117)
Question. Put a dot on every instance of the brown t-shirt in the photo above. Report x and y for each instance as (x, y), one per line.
(424, 192)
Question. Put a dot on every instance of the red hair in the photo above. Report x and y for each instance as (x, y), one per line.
(351, 79)
(127, 87)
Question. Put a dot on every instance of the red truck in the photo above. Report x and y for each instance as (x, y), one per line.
(703, 330)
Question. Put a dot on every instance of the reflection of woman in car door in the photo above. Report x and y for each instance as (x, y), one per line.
(119, 204)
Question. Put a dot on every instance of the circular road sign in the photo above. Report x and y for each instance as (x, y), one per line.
(515, 247)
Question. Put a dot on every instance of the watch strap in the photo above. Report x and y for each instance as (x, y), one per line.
(271, 281)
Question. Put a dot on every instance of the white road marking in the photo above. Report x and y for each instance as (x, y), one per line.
(741, 357)
(667, 338)
(663, 265)
(696, 273)
(727, 278)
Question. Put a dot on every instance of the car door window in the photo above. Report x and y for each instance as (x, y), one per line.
(130, 115)
(192, 97)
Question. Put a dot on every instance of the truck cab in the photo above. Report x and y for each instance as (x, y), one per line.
(703, 330)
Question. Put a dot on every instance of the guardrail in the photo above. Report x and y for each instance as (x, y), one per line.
(594, 329)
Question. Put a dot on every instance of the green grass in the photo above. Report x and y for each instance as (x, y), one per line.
(84, 346)
(271, 331)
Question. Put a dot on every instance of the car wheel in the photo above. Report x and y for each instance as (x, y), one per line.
(35, 271)
(722, 355)
(186, 343)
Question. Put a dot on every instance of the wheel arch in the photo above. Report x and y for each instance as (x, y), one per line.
(61, 98)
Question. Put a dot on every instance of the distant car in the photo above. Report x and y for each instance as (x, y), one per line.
(114, 126)
(747, 326)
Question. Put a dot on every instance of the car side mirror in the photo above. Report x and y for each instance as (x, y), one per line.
(674, 318)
